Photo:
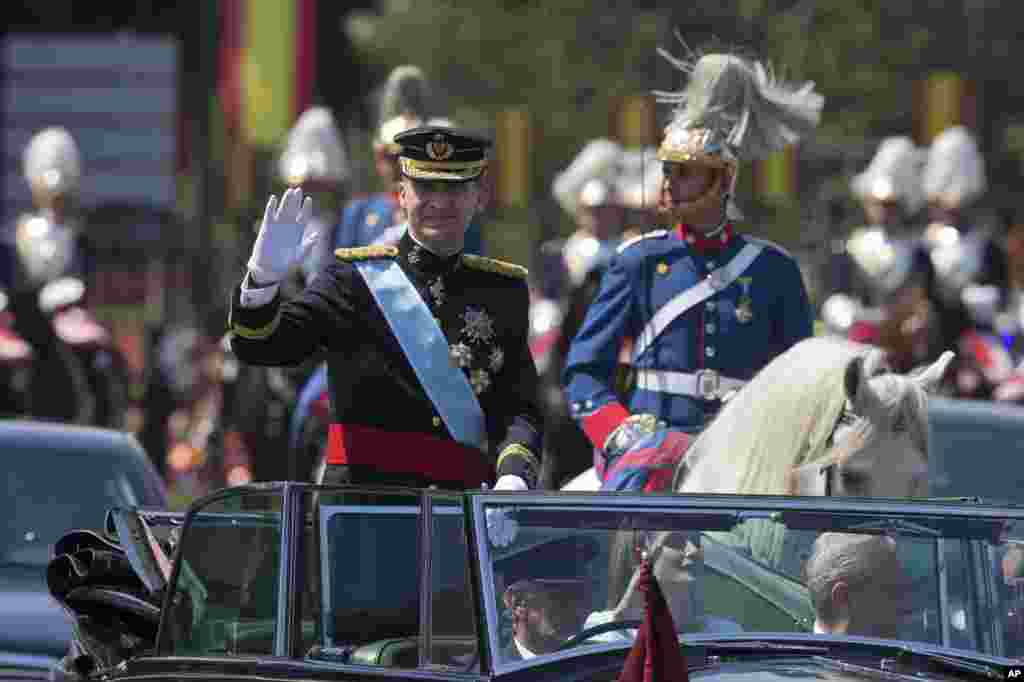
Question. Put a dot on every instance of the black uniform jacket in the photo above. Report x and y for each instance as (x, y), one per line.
(481, 305)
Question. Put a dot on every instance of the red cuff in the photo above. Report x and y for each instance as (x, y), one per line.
(597, 426)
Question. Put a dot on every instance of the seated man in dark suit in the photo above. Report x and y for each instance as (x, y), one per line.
(546, 597)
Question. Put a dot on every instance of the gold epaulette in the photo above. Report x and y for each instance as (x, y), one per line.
(494, 265)
(366, 252)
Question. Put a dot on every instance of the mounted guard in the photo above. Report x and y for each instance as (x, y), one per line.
(705, 305)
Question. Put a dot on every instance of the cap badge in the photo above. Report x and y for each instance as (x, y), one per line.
(440, 149)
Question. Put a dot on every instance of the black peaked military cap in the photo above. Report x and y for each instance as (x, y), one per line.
(549, 565)
(441, 153)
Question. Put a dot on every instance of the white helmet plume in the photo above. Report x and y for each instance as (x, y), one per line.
(955, 172)
(893, 174)
(314, 150)
(743, 102)
(52, 161)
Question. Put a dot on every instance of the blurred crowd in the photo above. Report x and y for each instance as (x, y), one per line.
(927, 272)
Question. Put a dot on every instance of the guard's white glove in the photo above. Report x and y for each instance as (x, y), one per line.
(501, 527)
(282, 241)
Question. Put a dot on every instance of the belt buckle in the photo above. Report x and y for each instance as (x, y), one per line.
(708, 384)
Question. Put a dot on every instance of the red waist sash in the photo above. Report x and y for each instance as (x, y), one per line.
(421, 454)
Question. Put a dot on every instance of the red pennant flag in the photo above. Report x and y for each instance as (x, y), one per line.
(655, 656)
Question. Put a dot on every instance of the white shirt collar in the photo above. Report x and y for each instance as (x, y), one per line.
(420, 244)
(523, 651)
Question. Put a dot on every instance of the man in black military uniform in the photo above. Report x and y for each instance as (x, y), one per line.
(431, 377)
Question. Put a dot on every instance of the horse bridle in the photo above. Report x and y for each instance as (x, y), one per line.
(846, 418)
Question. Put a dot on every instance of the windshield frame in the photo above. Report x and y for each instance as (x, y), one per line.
(981, 520)
(697, 509)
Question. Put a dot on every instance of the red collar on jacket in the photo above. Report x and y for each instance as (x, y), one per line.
(703, 243)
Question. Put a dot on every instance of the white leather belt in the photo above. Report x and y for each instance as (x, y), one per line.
(707, 384)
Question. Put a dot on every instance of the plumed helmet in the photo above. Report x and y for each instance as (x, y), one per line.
(592, 173)
(894, 174)
(733, 109)
(52, 163)
(314, 150)
(405, 104)
(954, 175)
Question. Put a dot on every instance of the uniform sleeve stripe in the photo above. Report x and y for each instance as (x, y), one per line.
(257, 333)
(517, 450)
(598, 425)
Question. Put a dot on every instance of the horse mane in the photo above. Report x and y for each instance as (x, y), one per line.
(784, 416)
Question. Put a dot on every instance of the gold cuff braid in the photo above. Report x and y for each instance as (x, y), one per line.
(517, 450)
(259, 332)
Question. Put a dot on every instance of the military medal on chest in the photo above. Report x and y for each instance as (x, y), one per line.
(437, 291)
(745, 306)
(479, 330)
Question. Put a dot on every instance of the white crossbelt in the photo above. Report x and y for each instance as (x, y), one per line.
(707, 383)
(716, 281)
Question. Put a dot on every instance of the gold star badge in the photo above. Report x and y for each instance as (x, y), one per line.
(460, 355)
(662, 268)
(497, 359)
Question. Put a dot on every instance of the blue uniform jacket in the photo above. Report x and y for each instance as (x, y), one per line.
(645, 274)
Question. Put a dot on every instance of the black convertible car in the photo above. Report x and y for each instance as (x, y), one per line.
(292, 581)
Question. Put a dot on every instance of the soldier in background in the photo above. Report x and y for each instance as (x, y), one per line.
(44, 246)
(591, 190)
(963, 249)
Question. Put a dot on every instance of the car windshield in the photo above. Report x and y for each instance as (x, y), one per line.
(564, 576)
(50, 491)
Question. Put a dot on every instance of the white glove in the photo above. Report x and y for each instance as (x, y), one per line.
(280, 243)
(510, 482)
(501, 527)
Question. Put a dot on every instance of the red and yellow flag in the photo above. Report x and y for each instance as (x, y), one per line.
(267, 65)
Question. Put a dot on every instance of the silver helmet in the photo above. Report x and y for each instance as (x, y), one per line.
(314, 150)
(405, 104)
(894, 174)
(590, 180)
(52, 164)
(732, 110)
(955, 173)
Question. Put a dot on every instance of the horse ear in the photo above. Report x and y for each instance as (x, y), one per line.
(859, 370)
(930, 377)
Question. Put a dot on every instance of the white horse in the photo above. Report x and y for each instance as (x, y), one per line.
(824, 418)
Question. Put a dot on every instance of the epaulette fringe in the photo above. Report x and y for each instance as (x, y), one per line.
(366, 252)
(494, 265)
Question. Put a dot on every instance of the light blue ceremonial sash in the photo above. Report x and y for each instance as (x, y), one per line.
(426, 347)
